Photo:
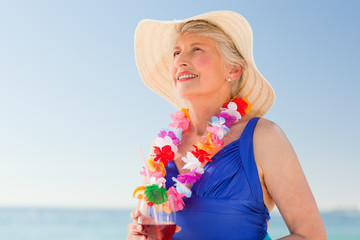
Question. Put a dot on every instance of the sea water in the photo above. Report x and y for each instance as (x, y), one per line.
(100, 224)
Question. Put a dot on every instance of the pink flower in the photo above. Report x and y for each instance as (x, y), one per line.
(170, 134)
(217, 140)
(228, 118)
(179, 120)
(143, 172)
(191, 177)
(156, 175)
(178, 198)
(218, 127)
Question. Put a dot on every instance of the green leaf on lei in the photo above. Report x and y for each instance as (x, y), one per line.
(155, 194)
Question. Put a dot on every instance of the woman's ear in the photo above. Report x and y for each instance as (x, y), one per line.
(235, 71)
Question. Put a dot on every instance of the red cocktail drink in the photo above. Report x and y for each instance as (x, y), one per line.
(159, 231)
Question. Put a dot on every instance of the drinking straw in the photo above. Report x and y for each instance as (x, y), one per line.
(146, 172)
(148, 181)
(146, 167)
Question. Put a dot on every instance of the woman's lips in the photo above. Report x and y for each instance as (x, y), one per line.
(185, 76)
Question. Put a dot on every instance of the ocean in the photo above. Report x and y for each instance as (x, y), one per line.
(99, 224)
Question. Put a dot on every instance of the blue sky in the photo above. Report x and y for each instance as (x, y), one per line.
(73, 109)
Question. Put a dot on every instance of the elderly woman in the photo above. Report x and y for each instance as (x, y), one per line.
(246, 163)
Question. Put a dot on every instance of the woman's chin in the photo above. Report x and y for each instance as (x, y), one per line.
(187, 93)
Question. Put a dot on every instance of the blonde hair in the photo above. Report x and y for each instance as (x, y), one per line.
(225, 45)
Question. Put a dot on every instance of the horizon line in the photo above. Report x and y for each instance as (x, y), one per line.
(128, 208)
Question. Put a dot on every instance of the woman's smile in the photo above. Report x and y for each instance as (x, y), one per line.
(185, 76)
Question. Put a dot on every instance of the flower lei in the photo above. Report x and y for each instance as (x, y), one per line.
(165, 149)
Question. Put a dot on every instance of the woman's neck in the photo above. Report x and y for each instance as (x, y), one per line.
(201, 111)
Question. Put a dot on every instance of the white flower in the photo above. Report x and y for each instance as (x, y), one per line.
(181, 188)
(159, 181)
(231, 110)
(160, 142)
(192, 162)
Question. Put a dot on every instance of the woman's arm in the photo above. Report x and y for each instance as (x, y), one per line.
(286, 183)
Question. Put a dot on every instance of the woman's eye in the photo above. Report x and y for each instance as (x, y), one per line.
(176, 53)
(196, 49)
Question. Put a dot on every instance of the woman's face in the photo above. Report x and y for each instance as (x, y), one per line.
(198, 69)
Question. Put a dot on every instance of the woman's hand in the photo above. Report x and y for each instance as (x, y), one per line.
(135, 229)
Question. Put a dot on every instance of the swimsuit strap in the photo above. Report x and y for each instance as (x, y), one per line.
(248, 160)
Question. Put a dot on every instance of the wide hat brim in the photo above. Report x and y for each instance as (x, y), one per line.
(154, 42)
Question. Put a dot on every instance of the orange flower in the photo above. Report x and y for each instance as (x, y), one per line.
(139, 192)
(155, 167)
(247, 110)
(166, 208)
(186, 113)
(207, 145)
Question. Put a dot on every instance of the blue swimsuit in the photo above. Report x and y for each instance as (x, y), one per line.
(227, 203)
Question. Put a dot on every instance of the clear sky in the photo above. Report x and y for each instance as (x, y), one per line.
(73, 109)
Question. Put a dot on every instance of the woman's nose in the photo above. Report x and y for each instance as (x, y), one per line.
(181, 60)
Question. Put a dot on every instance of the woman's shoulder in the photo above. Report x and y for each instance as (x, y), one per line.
(266, 128)
(269, 137)
(271, 143)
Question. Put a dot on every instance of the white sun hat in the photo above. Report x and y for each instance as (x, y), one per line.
(154, 42)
